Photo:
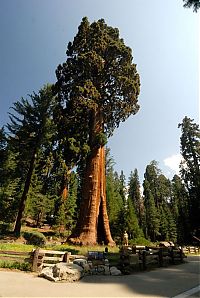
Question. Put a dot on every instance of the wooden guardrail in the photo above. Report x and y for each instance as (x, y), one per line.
(15, 256)
(144, 256)
(47, 258)
(161, 257)
(191, 249)
(152, 256)
(39, 258)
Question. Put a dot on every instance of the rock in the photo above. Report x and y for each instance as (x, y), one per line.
(84, 264)
(107, 270)
(115, 271)
(62, 272)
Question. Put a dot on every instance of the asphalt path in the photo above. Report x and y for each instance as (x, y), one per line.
(178, 281)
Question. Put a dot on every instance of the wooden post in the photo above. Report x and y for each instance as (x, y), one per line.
(181, 255)
(66, 257)
(144, 265)
(160, 257)
(172, 256)
(134, 249)
(35, 260)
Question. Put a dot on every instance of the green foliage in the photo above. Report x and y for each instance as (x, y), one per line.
(131, 225)
(115, 203)
(71, 207)
(180, 210)
(100, 139)
(16, 247)
(152, 216)
(195, 4)
(9, 180)
(5, 227)
(15, 265)
(34, 238)
(140, 241)
(190, 168)
(38, 203)
(30, 131)
(97, 87)
(135, 196)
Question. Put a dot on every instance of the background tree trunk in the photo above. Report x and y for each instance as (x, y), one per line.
(18, 222)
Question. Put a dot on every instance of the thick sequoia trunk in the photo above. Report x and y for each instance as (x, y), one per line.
(93, 224)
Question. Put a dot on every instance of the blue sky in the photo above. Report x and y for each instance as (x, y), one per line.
(164, 39)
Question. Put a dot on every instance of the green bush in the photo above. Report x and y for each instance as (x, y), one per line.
(15, 265)
(140, 241)
(34, 238)
(5, 227)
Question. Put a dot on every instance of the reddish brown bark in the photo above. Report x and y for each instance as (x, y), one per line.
(93, 224)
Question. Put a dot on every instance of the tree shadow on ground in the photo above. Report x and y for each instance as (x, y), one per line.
(160, 282)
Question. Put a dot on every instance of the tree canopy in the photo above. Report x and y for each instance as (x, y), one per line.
(97, 77)
(195, 4)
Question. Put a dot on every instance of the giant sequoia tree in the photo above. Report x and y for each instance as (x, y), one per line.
(97, 88)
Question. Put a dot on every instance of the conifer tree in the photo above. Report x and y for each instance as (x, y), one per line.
(190, 168)
(71, 207)
(195, 4)
(97, 88)
(180, 209)
(132, 226)
(115, 203)
(28, 129)
(136, 197)
(9, 180)
(151, 213)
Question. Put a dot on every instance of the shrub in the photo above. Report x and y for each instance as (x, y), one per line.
(15, 265)
(140, 241)
(34, 238)
(5, 227)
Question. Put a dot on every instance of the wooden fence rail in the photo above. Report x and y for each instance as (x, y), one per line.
(19, 257)
(191, 249)
(146, 256)
(39, 258)
(159, 256)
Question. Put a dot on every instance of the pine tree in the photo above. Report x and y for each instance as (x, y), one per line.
(151, 213)
(39, 203)
(122, 187)
(29, 127)
(132, 226)
(180, 209)
(8, 180)
(115, 203)
(97, 88)
(71, 206)
(190, 168)
(136, 197)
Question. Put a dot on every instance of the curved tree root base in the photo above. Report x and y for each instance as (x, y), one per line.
(87, 242)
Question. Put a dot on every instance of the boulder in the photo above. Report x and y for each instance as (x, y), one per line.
(115, 271)
(84, 264)
(62, 272)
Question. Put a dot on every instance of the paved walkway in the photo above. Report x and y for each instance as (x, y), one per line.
(162, 282)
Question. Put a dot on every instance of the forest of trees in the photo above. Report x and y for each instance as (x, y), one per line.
(55, 167)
